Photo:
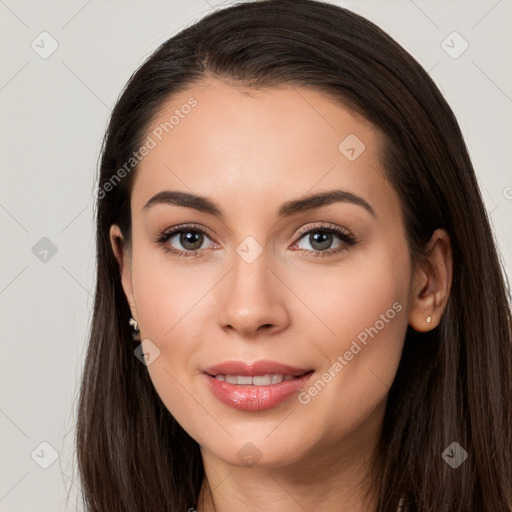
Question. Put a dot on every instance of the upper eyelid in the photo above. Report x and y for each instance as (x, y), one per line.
(327, 226)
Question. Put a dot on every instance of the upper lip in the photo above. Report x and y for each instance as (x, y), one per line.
(262, 367)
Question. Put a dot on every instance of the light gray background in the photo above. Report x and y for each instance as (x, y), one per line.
(53, 115)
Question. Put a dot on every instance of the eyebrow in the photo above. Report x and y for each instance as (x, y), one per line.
(287, 209)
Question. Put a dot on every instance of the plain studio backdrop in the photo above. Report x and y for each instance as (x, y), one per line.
(63, 66)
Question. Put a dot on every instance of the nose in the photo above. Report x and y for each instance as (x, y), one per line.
(252, 299)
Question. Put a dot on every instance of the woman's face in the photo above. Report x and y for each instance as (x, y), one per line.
(271, 281)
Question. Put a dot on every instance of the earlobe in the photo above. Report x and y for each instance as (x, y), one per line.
(123, 258)
(432, 284)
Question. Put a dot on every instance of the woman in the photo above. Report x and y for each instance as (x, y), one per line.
(289, 225)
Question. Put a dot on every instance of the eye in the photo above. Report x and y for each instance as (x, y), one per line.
(194, 239)
(191, 238)
(318, 240)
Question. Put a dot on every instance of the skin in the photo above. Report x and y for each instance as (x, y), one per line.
(250, 151)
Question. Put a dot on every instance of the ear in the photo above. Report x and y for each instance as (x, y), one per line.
(123, 257)
(432, 282)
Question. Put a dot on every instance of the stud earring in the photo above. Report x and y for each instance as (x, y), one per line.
(429, 319)
(135, 329)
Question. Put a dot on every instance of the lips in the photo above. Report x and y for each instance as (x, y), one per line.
(255, 386)
(258, 368)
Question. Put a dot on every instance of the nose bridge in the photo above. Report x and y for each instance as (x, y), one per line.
(250, 298)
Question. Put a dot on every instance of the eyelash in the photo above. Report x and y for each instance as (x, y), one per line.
(348, 239)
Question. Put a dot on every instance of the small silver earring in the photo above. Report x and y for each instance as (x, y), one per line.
(135, 329)
(429, 319)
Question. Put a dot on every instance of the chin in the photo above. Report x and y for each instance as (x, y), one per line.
(254, 452)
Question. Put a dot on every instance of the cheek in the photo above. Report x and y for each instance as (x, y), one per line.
(172, 304)
(365, 306)
(369, 289)
(362, 319)
(167, 295)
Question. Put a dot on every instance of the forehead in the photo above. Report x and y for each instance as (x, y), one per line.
(258, 147)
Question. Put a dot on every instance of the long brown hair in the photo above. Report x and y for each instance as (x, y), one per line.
(453, 384)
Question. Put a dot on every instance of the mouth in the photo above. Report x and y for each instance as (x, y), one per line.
(262, 368)
(257, 386)
(257, 380)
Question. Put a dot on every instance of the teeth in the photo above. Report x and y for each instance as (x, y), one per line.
(257, 380)
(265, 380)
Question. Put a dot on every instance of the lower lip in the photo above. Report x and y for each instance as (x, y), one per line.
(255, 398)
